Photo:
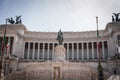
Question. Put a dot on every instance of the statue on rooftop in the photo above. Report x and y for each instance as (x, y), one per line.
(60, 37)
(113, 20)
(18, 20)
(10, 20)
(115, 17)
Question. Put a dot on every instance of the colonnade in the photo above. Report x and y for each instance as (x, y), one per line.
(74, 51)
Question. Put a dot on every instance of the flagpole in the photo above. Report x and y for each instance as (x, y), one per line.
(100, 69)
(97, 40)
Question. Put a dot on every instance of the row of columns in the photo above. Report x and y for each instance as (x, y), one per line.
(67, 49)
(38, 50)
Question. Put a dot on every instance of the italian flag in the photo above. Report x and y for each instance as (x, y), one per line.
(98, 36)
(8, 48)
(8, 45)
(98, 44)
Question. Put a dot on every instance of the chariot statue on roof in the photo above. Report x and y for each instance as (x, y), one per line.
(17, 21)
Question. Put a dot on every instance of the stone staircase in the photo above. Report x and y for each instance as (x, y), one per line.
(114, 77)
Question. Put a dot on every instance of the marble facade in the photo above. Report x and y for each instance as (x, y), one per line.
(80, 46)
(35, 49)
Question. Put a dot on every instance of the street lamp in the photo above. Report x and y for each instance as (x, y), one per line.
(100, 69)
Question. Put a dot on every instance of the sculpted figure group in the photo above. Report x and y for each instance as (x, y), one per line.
(17, 21)
(115, 17)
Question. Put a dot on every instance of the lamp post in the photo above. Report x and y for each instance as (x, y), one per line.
(100, 69)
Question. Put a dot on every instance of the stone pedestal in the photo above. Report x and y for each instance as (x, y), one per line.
(57, 70)
(59, 53)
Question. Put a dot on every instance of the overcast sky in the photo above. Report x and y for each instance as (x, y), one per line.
(52, 15)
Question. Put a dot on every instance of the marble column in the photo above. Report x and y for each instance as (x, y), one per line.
(82, 51)
(43, 52)
(68, 51)
(38, 51)
(87, 51)
(33, 53)
(23, 51)
(72, 51)
(77, 51)
(48, 51)
(8, 53)
(106, 54)
(14, 45)
(103, 50)
(53, 51)
(93, 51)
(28, 51)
